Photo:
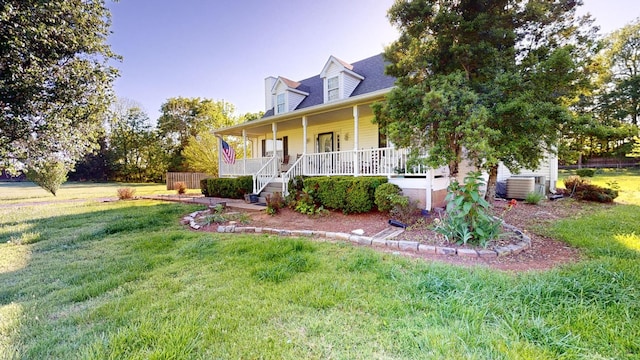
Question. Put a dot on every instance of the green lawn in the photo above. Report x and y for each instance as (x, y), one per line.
(627, 179)
(21, 192)
(125, 280)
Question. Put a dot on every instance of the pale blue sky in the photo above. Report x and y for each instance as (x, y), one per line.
(223, 49)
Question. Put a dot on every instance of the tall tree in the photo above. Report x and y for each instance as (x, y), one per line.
(55, 80)
(484, 80)
(133, 144)
(620, 85)
(183, 118)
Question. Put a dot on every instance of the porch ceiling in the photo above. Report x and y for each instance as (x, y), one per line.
(293, 120)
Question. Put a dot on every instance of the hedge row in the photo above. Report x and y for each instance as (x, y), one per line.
(345, 193)
(229, 188)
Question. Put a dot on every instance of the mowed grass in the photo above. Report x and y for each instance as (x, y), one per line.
(627, 180)
(23, 192)
(125, 280)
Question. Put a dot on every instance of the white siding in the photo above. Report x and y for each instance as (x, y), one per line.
(548, 168)
(368, 134)
(332, 70)
(293, 100)
(350, 84)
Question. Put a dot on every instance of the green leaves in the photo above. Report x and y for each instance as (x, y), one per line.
(484, 81)
(467, 219)
(55, 80)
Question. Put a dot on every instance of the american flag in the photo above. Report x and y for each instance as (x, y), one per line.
(228, 154)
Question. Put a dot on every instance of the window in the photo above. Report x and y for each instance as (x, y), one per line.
(333, 88)
(280, 103)
(282, 147)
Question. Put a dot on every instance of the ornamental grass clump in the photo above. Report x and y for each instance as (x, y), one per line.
(181, 187)
(467, 219)
(126, 193)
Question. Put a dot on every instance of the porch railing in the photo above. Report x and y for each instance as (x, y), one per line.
(265, 175)
(243, 167)
(365, 162)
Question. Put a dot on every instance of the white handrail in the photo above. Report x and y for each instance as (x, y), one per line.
(296, 170)
(265, 175)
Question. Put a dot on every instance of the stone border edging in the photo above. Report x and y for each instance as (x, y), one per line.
(522, 245)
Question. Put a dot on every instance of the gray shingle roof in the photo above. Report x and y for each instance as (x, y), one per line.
(372, 69)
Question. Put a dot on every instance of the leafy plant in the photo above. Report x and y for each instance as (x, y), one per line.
(126, 193)
(533, 198)
(467, 219)
(306, 204)
(181, 187)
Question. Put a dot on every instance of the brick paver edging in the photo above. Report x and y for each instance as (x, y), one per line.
(520, 246)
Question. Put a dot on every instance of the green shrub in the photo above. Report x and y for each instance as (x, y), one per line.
(385, 195)
(467, 219)
(332, 192)
(585, 172)
(230, 188)
(360, 197)
(582, 189)
(533, 198)
(345, 193)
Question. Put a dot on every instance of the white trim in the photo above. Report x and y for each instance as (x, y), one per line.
(308, 111)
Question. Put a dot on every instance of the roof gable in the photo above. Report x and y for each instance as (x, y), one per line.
(370, 69)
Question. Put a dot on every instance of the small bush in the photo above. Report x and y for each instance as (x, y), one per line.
(405, 210)
(582, 189)
(386, 195)
(585, 172)
(180, 187)
(126, 193)
(275, 202)
(533, 198)
(359, 199)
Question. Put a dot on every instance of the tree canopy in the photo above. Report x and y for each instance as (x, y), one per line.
(488, 81)
(55, 81)
(186, 118)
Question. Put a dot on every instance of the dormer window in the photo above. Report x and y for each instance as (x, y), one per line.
(333, 88)
(280, 106)
(339, 80)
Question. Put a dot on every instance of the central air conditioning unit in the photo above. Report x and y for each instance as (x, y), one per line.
(519, 187)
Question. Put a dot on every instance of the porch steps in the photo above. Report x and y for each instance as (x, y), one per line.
(272, 188)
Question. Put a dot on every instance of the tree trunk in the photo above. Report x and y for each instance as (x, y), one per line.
(491, 184)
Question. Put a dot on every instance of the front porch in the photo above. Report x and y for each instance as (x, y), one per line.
(334, 139)
(389, 162)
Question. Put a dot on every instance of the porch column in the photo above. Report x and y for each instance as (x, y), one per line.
(274, 129)
(304, 143)
(304, 135)
(356, 135)
(219, 156)
(244, 149)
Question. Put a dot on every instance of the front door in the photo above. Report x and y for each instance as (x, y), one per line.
(325, 142)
